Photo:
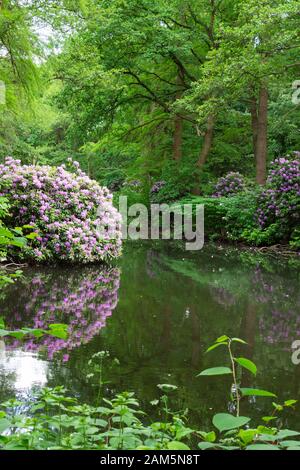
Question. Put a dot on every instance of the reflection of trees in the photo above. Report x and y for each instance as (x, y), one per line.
(7, 379)
(81, 299)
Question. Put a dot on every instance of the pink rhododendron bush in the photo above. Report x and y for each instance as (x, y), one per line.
(65, 209)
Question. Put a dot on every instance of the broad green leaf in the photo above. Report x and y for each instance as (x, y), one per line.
(4, 232)
(206, 445)
(247, 364)
(255, 392)
(289, 443)
(216, 371)
(262, 447)
(4, 424)
(225, 421)
(175, 445)
(247, 435)
(266, 430)
(286, 433)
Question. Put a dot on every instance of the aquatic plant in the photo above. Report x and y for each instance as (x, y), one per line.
(65, 208)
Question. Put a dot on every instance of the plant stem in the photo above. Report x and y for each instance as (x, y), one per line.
(234, 379)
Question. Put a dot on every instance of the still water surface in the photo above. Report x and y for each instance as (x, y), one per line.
(157, 311)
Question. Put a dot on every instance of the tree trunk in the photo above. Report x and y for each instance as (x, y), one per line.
(208, 139)
(262, 138)
(254, 124)
(177, 140)
(178, 123)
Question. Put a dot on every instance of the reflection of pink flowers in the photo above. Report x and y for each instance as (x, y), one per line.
(84, 305)
(280, 323)
(280, 327)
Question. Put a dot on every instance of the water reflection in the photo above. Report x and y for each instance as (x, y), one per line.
(167, 309)
(81, 299)
(24, 369)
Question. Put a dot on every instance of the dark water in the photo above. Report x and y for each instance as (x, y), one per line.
(156, 312)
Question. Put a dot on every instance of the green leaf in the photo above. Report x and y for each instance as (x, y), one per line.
(262, 447)
(247, 435)
(290, 443)
(225, 421)
(175, 445)
(32, 236)
(255, 392)
(238, 340)
(4, 232)
(247, 364)
(267, 419)
(214, 346)
(290, 402)
(4, 424)
(208, 436)
(206, 445)
(286, 433)
(59, 330)
(215, 371)
(221, 339)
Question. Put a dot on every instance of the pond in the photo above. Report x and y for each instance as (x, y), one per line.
(157, 311)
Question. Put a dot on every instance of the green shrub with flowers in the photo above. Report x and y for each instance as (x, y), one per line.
(278, 206)
(65, 209)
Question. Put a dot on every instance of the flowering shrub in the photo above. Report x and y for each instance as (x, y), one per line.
(82, 300)
(157, 187)
(280, 201)
(228, 185)
(65, 210)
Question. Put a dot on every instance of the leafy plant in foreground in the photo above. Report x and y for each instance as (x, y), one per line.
(57, 421)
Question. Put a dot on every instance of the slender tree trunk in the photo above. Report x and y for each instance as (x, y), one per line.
(208, 139)
(178, 123)
(262, 137)
(254, 124)
(177, 140)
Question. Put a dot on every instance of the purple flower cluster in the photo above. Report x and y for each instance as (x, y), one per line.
(229, 185)
(66, 210)
(157, 187)
(281, 198)
(82, 303)
(133, 184)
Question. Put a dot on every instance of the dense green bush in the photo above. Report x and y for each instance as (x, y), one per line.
(179, 178)
(226, 218)
(257, 216)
